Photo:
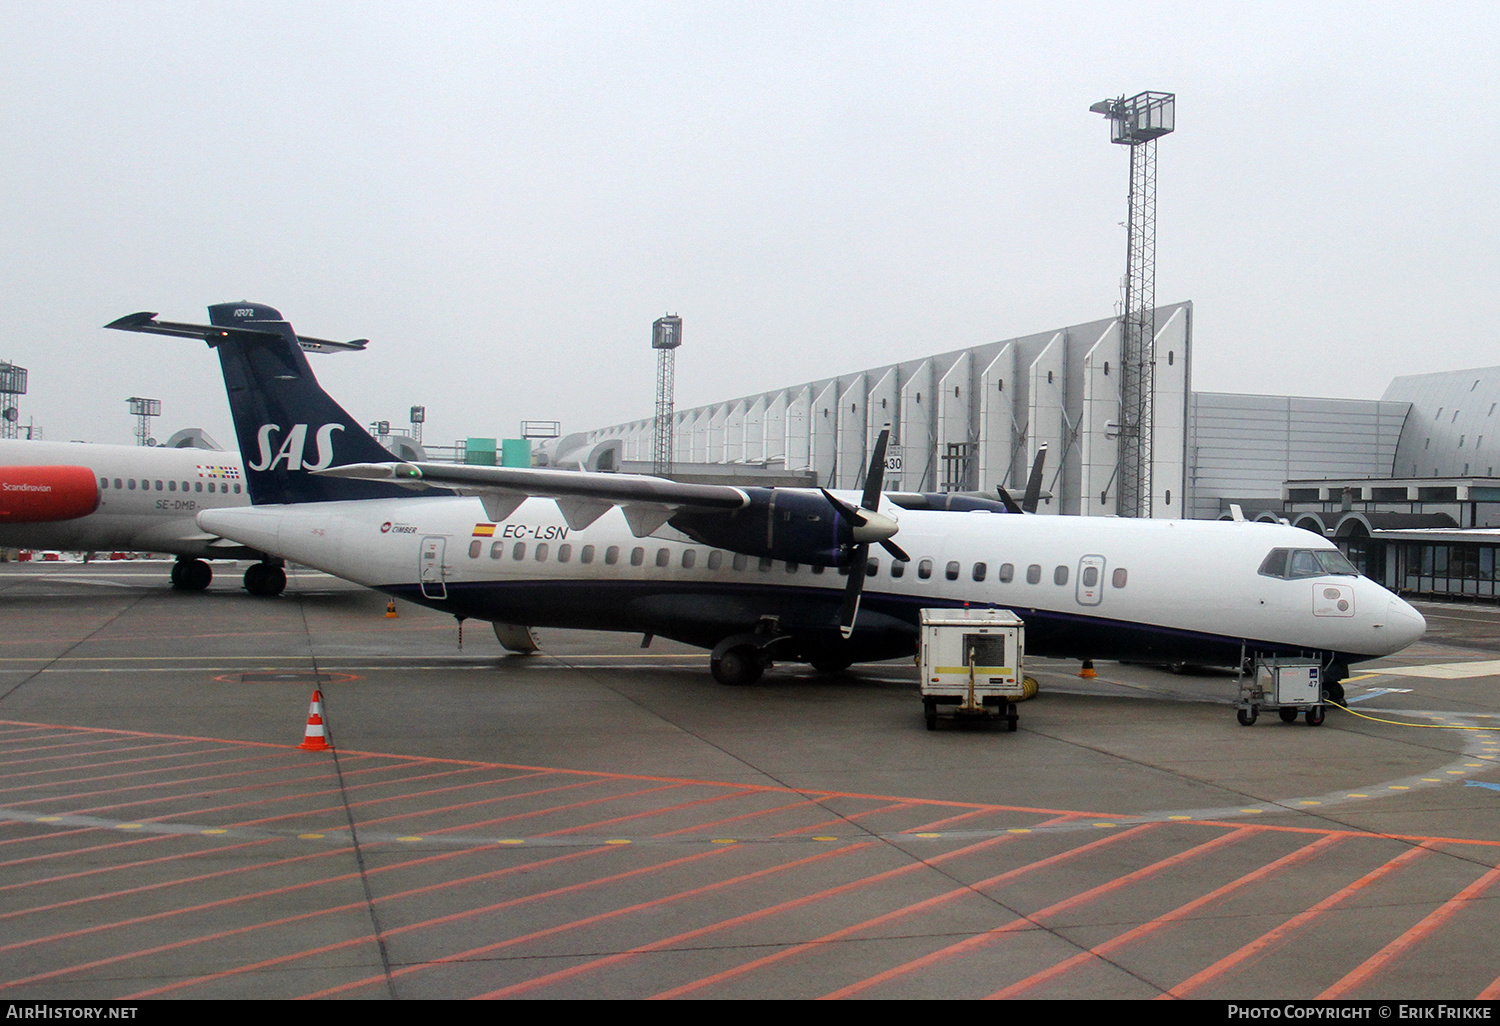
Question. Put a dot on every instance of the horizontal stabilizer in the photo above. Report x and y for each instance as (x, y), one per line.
(213, 333)
(323, 345)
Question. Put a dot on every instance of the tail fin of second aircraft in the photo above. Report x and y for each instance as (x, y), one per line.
(286, 424)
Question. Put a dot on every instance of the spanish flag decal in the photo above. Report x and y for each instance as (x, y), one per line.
(484, 530)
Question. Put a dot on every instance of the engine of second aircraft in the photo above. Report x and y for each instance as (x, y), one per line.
(793, 524)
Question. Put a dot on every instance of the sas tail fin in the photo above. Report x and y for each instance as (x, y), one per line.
(286, 424)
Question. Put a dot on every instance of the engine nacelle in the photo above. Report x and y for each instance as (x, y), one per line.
(794, 524)
(953, 502)
(40, 495)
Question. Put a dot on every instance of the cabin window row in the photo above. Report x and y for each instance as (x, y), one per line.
(131, 484)
(1005, 573)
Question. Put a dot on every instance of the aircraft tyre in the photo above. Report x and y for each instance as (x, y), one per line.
(737, 664)
(1315, 716)
(265, 579)
(1288, 714)
(191, 575)
(1247, 716)
(1333, 682)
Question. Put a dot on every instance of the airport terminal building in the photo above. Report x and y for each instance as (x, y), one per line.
(1405, 483)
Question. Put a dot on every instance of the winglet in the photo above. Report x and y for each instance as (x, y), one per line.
(131, 322)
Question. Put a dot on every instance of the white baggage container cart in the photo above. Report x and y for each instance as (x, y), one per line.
(1288, 686)
(972, 659)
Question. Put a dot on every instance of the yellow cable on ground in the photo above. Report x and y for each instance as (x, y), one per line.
(1402, 723)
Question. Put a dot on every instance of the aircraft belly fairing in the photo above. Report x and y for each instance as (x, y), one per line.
(888, 626)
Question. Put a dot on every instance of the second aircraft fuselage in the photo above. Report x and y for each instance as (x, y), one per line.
(148, 497)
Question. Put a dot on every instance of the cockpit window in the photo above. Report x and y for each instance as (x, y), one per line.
(1334, 562)
(1274, 564)
(1294, 564)
(1303, 564)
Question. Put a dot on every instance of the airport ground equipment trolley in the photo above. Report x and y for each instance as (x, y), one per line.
(1288, 686)
(972, 660)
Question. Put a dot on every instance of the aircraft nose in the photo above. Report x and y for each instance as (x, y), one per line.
(1404, 625)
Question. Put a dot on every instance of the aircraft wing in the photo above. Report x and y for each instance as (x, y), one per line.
(147, 323)
(581, 496)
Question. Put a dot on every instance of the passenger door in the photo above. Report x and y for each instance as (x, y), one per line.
(1090, 580)
(432, 574)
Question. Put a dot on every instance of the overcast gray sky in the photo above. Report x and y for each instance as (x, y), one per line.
(502, 196)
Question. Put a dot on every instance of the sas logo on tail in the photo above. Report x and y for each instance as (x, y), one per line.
(293, 448)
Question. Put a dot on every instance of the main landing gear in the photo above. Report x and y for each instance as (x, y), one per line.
(738, 660)
(743, 658)
(266, 578)
(832, 664)
(191, 574)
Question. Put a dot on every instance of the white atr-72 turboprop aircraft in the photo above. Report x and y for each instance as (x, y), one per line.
(757, 574)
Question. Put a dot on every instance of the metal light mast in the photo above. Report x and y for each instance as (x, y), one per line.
(666, 336)
(1138, 121)
(12, 384)
(143, 410)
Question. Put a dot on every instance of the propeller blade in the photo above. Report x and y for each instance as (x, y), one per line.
(1034, 483)
(847, 511)
(875, 472)
(896, 551)
(870, 525)
(853, 589)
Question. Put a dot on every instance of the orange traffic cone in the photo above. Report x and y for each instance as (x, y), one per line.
(315, 738)
(390, 609)
(1088, 669)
